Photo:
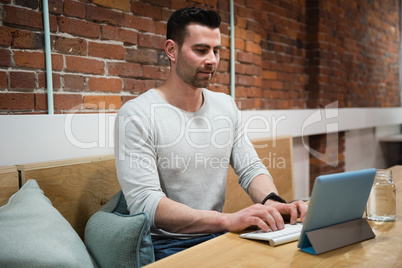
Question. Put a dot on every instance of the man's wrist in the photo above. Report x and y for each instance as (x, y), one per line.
(274, 197)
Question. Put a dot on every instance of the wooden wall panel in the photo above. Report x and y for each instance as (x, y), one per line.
(276, 155)
(9, 183)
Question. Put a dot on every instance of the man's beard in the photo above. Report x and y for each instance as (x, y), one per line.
(194, 77)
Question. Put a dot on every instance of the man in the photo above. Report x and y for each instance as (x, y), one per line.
(174, 144)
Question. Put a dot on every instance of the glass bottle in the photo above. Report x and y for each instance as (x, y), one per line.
(381, 205)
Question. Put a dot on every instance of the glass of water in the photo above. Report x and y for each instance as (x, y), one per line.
(381, 205)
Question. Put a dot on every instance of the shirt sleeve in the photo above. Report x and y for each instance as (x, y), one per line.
(136, 161)
(244, 159)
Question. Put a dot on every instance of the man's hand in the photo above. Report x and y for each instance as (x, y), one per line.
(294, 210)
(266, 216)
(258, 215)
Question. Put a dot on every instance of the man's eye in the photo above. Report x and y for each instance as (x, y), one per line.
(201, 51)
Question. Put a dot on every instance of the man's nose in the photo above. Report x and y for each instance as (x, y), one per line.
(212, 58)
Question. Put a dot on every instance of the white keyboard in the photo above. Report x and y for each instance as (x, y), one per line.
(289, 234)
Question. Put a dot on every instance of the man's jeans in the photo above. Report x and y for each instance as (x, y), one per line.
(164, 246)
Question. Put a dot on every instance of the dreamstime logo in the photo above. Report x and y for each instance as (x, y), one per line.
(323, 118)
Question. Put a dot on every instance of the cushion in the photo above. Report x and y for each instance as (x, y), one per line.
(34, 234)
(116, 239)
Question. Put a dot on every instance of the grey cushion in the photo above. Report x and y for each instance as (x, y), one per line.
(116, 239)
(34, 234)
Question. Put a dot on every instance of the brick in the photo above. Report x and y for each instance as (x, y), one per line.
(154, 72)
(5, 36)
(16, 101)
(240, 92)
(42, 82)
(142, 56)
(53, 23)
(224, 54)
(138, 23)
(276, 85)
(73, 82)
(221, 78)
(245, 104)
(161, 3)
(241, 33)
(245, 80)
(3, 79)
(104, 15)
(23, 17)
(124, 69)
(28, 3)
(152, 41)
(74, 9)
(27, 39)
(211, 3)
(137, 86)
(29, 59)
(108, 102)
(239, 44)
(56, 7)
(104, 84)
(254, 92)
(146, 10)
(253, 48)
(22, 80)
(57, 62)
(79, 27)
(40, 101)
(5, 58)
(119, 34)
(109, 51)
(61, 102)
(269, 75)
(160, 27)
(69, 46)
(67, 101)
(253, 70)
(223, 66)
(117, 4)
(36, 60)
(241, 22)
(84, 65)
(219, 88)
(245, 57)
(125, 98)
(166, 13)
(225, 41)
(178, 4)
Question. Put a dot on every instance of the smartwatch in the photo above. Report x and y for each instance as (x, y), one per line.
(274, 197)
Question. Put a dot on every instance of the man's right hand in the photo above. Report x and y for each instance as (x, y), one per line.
(262, 216)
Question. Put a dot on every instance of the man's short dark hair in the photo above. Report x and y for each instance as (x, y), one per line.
(178, 21)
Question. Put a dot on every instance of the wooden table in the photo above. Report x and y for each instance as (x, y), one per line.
(228, 250)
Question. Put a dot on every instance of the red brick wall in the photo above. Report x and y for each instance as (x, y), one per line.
(289, 54)
(353, 53)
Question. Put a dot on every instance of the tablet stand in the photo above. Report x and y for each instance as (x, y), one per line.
(339, 235)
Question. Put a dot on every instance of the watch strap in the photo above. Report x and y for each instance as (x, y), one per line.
(274, 197)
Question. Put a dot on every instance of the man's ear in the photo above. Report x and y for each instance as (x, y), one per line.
(171, 50)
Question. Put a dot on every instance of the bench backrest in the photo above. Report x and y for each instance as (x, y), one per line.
(77, 188)
(276, 155)
(9, 183)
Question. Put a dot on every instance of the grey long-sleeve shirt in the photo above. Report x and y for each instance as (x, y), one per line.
(161, 150)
